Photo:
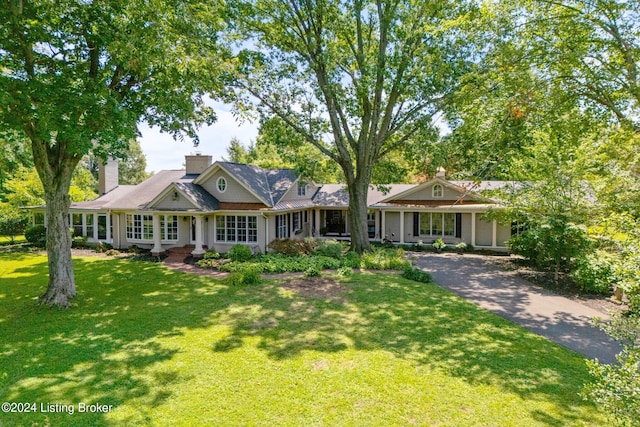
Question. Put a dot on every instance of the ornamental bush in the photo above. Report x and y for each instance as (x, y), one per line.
(37, 236)
(240, 253)
(329, 248)
(597, 272)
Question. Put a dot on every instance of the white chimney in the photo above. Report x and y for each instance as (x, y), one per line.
(107, 175)
(441, 172)
(196, 163)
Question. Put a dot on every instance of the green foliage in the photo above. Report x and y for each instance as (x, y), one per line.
(36, 235)
(293, 247)
(240, 253)
(345, 271)
(556, 244)
(597, 272)
(212, 254)
(12, 221)
(312, 271)
(329, 248)
(79, 242)
(616, 388)
(417, 275)
(384, 259)
(439, 245)
(103, 247)
(247, 275)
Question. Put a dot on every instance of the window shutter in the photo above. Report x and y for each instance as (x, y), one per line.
(458, 225)
(416, 224)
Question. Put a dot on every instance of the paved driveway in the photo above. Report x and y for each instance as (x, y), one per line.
(559, 319)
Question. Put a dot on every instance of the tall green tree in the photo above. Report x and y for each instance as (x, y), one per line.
(356, 79)
(78, 76)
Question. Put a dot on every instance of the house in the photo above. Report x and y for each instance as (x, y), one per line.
(215, 205)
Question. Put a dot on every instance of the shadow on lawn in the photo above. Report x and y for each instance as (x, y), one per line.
(417, 322)
(96, 352)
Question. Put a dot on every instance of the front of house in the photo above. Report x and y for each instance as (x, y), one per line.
(218, 205)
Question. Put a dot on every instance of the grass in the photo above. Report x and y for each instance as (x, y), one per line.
(164, 347)
(6, 240)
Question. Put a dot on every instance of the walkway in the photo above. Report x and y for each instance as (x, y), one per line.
(559, 319)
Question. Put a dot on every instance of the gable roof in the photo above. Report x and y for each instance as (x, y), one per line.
(199, 198)
(268, 185)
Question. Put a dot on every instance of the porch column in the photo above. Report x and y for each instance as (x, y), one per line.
(94, 232)
(377, 225)
(198, 250)
(317, 223)
(108, 232)
(401, 227)
(494, 233)
(383, 226)
(473, 229)
(157, 245)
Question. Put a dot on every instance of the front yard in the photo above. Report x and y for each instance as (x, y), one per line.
(163, 347)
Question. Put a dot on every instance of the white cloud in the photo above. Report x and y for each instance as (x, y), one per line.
(163, 152)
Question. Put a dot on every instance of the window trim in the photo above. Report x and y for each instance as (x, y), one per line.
(249, 230)
(439, 194)
(432, 224)
(221, 182)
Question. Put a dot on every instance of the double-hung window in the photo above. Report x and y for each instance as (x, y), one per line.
(437, 224)
(237, 228)
(139, 227)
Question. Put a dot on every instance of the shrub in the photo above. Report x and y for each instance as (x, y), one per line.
(103, 247)
(596, 272)
(291, 247)
(384, 259)
(461, 247)
(212, 254)
(329, 248)
(439, 245)
(37, 236)
(351, 259)
(79, 242)
(240, 253)
(249, 275)
(112, 252)
(417, 275)
(312, 271)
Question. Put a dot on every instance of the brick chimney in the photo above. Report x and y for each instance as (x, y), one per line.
(107, 176)
(196, 163)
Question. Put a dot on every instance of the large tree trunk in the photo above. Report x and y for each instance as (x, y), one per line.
(358, 216)
(56, 180)
(62, 285)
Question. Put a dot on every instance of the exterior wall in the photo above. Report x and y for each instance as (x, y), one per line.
(503, 234)
(484, 232)
(392, 226)
(427, 194)
(466, 228)
(292, 194)
(234, 193)
(180, 203)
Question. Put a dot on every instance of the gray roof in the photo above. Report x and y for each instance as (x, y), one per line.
(337, 195)
(268, 184)
(201, 197)
(135, 196)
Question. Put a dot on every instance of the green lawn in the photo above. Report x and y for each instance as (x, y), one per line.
(166, 348)
(6, 240)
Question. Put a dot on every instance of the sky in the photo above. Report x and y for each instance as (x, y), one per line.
(163, 152)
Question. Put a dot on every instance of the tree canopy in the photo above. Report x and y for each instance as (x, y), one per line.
(356, 79)
(77, 77)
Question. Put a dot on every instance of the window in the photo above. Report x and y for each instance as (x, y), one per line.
(76, 224)
(437, 190)
(437, 224)
(102, 227)
(282, 226)
(139, 227)
(221, 184)
(236, 228)
(302, 188)
(89, 220)
(168, 227)
(296, 221)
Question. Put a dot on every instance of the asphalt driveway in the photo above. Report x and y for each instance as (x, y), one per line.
(559, 319)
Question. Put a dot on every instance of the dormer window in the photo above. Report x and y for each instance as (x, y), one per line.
(302, 188)
(437, 191)
(222, 184)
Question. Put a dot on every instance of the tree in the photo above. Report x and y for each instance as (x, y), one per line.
(131, 167)
(356, 79)
(78, 76)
